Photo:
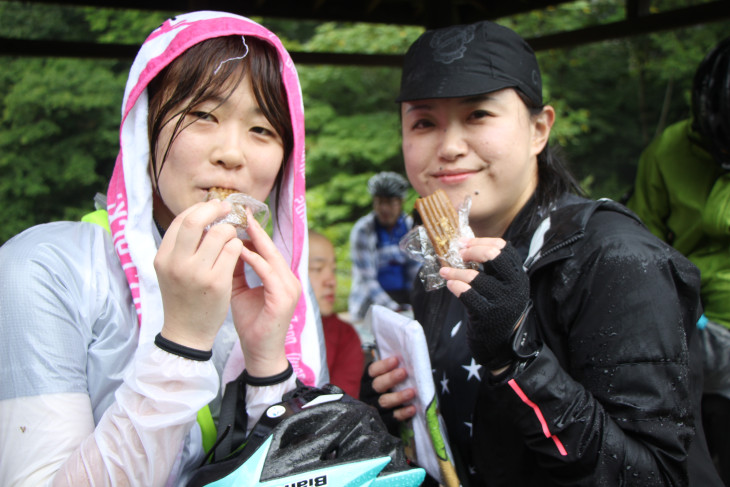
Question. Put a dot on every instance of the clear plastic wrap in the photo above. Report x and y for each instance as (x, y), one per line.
(417, 245)
(237, 215)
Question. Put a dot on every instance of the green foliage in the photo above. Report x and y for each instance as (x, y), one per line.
(627, 92)
(59, 117)
(123, 27)
(613, 97)
(20, 20)
(57, 139)
(363, 38)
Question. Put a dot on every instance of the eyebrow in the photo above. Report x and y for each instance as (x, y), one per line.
(422, 106)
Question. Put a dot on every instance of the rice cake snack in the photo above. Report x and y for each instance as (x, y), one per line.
(237, 216)
(239, 202)
(441, 222)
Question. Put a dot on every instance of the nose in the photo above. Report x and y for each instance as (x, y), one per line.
(330, 278)
(453, 145)
(229, 147)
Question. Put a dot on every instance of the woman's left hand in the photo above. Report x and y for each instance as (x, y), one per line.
(495, 298)
(262, 314)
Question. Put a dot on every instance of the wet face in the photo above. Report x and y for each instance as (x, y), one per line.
(484, 146)
(387, 210)
(322, 272)
(223, 143)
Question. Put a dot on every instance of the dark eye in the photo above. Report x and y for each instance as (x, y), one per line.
(262, 131)
(202, 115)
(477, 114)
(422, 123)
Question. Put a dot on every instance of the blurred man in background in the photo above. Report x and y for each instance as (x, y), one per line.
(345, 358)
(381, 273)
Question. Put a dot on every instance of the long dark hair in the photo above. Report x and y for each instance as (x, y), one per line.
(192, 79)
(554, 179)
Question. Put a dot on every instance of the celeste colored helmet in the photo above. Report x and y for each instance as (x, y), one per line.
(711, 102)
(315, 438)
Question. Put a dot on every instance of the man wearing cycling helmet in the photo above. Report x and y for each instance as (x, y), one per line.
(381, 273)
(682, 193)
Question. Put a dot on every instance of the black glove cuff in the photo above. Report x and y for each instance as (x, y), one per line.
(511, 353)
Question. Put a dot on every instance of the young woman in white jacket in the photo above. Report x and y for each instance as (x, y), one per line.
(115, 339)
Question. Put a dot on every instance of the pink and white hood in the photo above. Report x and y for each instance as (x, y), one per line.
(129, 197)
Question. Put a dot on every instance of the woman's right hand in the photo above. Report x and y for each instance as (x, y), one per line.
(194, 269)
(386, 375)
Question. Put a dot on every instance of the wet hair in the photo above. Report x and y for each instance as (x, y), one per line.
(192, 79)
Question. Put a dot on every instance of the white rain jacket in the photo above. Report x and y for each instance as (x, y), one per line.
(85, 395)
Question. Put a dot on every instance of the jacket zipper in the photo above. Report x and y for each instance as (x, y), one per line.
(529, 263)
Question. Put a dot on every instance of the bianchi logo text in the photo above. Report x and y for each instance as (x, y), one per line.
(311, 482)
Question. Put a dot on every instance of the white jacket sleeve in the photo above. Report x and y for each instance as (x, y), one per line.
(258, 399)
(51, 439)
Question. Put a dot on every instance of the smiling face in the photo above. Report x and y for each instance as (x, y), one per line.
(322, 272)
(485, 146)
(223, 142)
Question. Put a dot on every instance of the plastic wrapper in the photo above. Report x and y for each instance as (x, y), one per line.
(417, 245)
(237, 216)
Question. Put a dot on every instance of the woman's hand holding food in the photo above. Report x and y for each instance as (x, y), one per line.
(495, 298)
(262, 314)
(192, 266)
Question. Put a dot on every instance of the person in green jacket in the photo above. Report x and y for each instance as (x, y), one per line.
(682, 193)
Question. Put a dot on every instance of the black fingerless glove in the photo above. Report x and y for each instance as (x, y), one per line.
(496, 301)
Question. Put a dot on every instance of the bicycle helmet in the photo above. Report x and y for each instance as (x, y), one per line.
(388, 184)
(315, 438)
(711, 102)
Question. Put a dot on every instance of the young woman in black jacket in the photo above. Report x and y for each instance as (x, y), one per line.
(565, 359)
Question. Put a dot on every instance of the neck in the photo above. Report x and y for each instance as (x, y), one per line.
(490, 227)
(496, 224)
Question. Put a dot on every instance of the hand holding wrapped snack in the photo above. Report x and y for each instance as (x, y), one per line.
(237, 216)
(437, 242)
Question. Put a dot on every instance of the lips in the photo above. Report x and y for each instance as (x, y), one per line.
(454, 176)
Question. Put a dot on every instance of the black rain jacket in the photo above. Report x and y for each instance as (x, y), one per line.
(605, 395)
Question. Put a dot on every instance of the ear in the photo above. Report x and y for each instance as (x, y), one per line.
(542, 123)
